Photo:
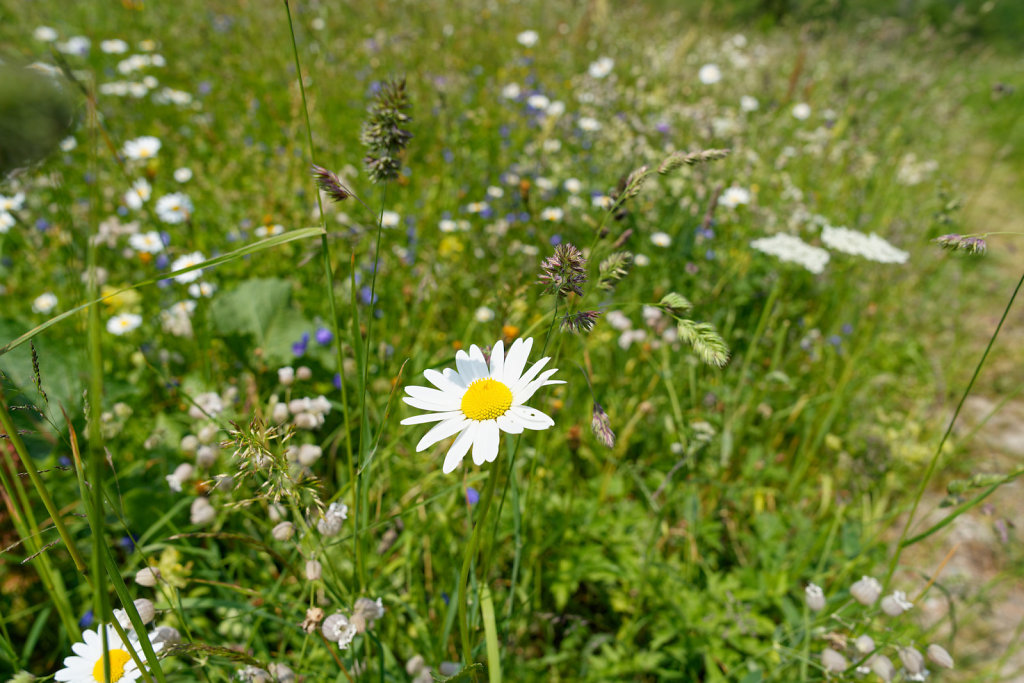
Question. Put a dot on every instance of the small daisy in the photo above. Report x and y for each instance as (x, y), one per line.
(145, 147)
(734, 196)
(268, 230)
(114, 47)
(183, 174)
(389, 219)
(138, 195)
(573, 185)
(661, 239)
(601, 68)
(186, 261)
(749, 103)
(511, 91)
(86, 665)
(479, 401)
(527, 38)
(6, 222)
(552, 213)
(44, 303)
(199, 290)
(45, 34)
(801, 111)
(123, 323)
(148, 242)
(174, 208)
(12, 203)
(484, 314)
(447, 225)
(589, 124)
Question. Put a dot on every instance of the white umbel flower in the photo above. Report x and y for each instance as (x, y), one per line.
(793, 250)
(86, 665)
(871, 247)
(479, 401)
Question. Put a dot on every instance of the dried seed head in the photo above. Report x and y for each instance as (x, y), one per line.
(602, 426)
(564, 272)
(330, 184)
(314, 615)
(678, 159)
(581, 321)
(613, 269)
(970, 244)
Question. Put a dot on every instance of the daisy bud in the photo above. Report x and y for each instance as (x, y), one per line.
(815, 597)
(202, 512)
(286, 376)
(147, 576)
(864, 644)
(282, 673)
(866, 590)
(313, 570)
(283, 531)
(913, 661)
(330, 184)
(602, 428)
(938, 655)
(165, 634)
(303, 373)
(279, 413)
(883, 667)
(833, 661)
(896, 604)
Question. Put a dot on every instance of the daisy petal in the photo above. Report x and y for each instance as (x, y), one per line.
(498, 359)
(523, 395)
(435, 396)
(530, 418)
(469, 368)
(485, 447)
(443, 381)
(454, 378)
(515, 361)
(459, 449)
(441, 431)
(430, 405)
(509, 425)
(431, 417)
(529, 375)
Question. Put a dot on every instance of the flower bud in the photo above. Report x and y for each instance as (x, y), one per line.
(303, 373)
(165, 634)
(189, 444)
(866, 591)
(279, 413)
(883, 667)
(202, 512)
(208, 434)
(415, 665)
(147, 576)
(896, 604)
(864, 644)
(938, 655)
(283, 531)
(282, 672)
(286, 376)
(313, 570)
(206, 456)
(309, 454)
(815, 597)
(913, 661)
(146, 610)
(833, 661)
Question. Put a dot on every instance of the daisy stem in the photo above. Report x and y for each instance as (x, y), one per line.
(328, 274)
(942, 442)
(467, 560)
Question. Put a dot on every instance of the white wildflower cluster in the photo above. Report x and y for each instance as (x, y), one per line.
(913, 172)
(304, 413)
(7, 205)
(871, 247)
(792, 249)
(341, 629)
(862, 648)
(659, 329)
(177, 319)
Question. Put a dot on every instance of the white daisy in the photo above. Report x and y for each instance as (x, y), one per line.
(149, 242)
(145, 147)
(45, 302)
(114, 47)
(6, 222)
(749, 103)
(389, 219)
(186, 261)
(661, 239)
(183, 174)
(801, 111)
(13, 203)
(527, 38)
(174, 208)
(734, 196)
(709, 74)
(45, 34)
(479, 401)
(601, 68)
(123, 323)
(138, 195)
(86, 665)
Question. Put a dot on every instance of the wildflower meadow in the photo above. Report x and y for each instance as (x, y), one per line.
(413, 340)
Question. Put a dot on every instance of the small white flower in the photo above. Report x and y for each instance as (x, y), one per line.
(186, 261)
(44, 34)
(572, 185)
(389, 219)
(75, 45)
(749, 103)
(552, 213)
(495, 192)
(527, 38)
(601, 68)
(555, 109)
(734, 196)
(871, 247)
(511, 91)
(68, 144)
(145, 147)
(14, 203)
(709, 74)
(589, 124)
(447, 225)
(661, 239)
(183, 174)
(815, 598)
(268, 230)
(114, 47)
(641, 260)
(45, 302)
(896, 604)
(480, 400)
(793, 250)
(483, 314)
(123, 323)
(149, 242)
(138, 194)
(174, 208)
(801, 111)
(538, 101)
(6, 222)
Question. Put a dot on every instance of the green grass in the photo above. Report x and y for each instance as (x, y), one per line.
(680, 552)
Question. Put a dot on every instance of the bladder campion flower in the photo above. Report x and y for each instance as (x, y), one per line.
(86, 665)
(480, 400)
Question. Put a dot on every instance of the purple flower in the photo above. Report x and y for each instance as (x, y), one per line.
(324, 336)
(365, 296)
(555, 240)
(472, 495)
(299, 347)
(86, 620)
(337, 380)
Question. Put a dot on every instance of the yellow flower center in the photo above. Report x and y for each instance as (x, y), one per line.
(486, 399)
(118, 659)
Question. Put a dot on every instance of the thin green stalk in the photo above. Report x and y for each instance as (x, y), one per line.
(328, 275)
(467, 560)
(949, 430)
